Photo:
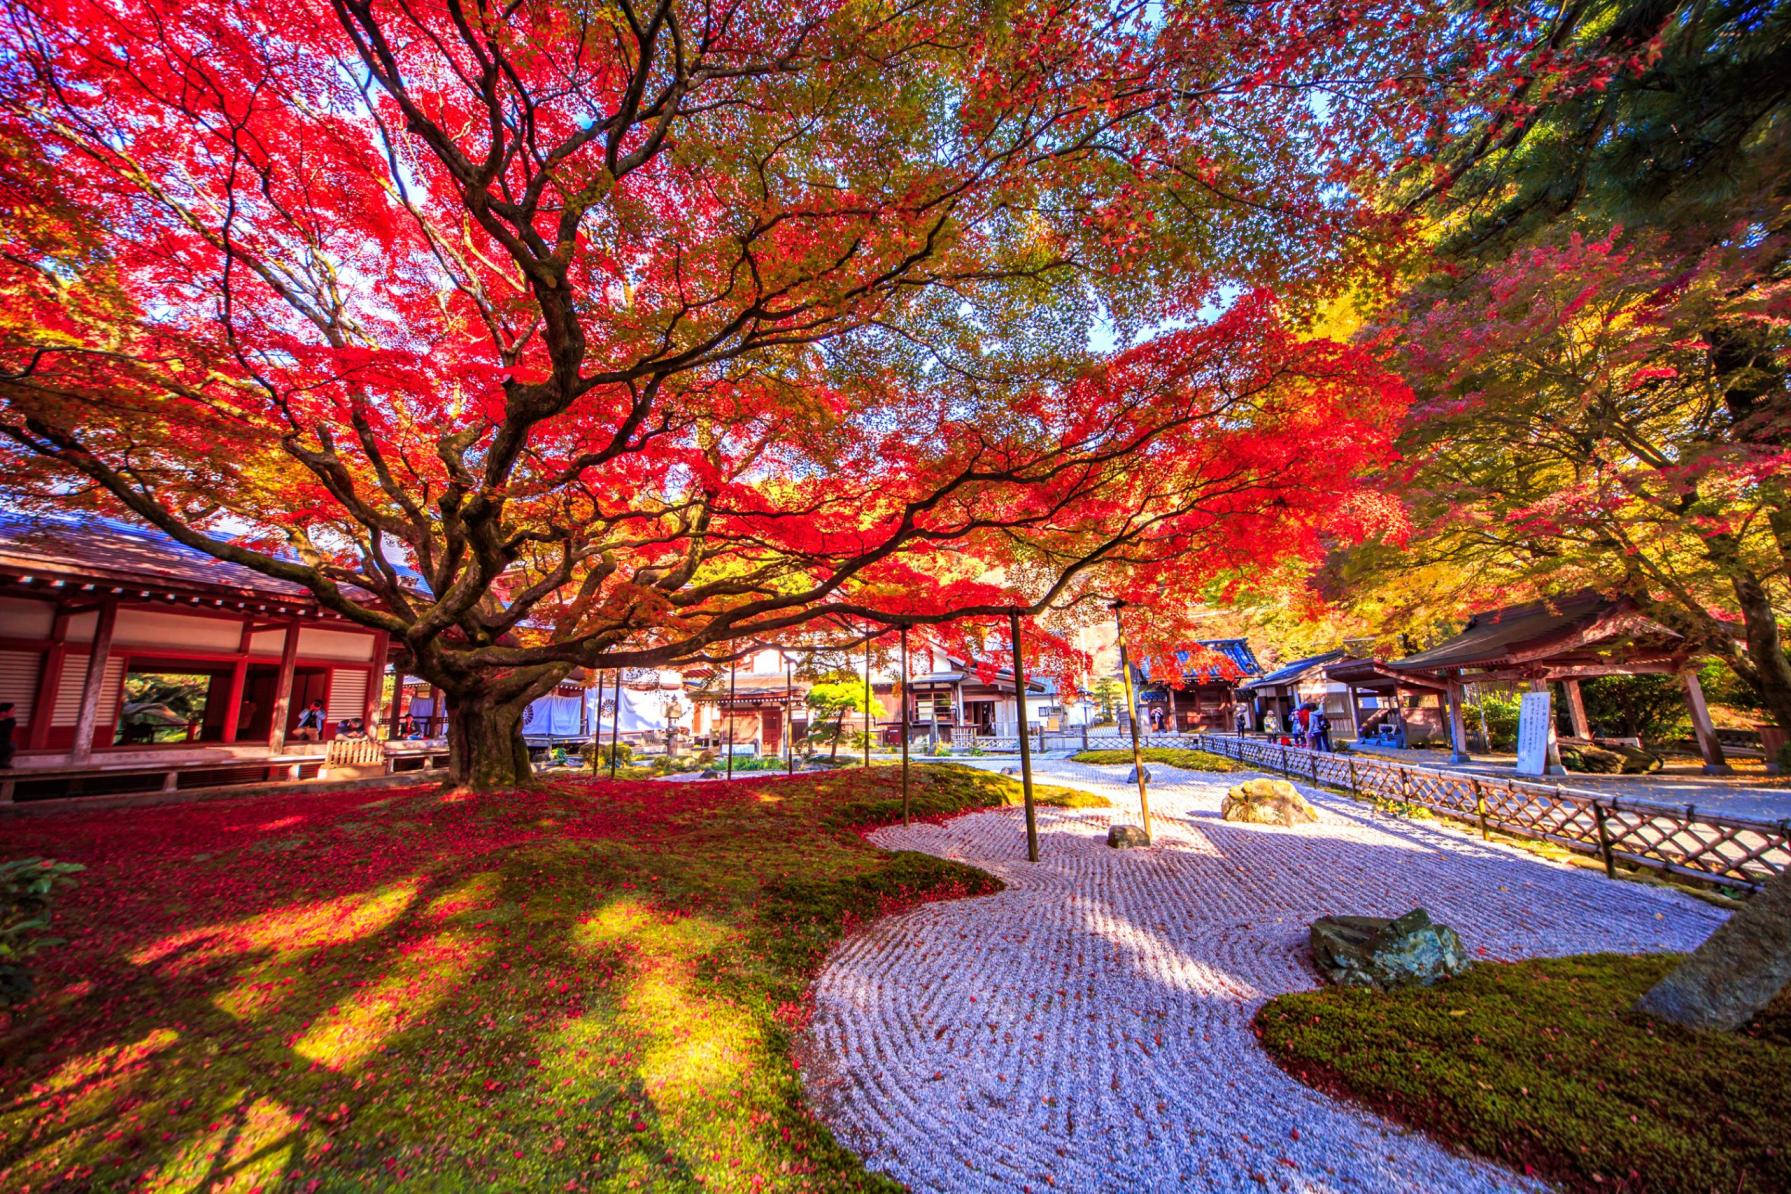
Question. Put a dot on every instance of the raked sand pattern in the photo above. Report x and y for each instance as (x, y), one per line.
(1089, 1028)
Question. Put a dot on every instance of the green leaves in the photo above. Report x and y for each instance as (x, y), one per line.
(26, 887)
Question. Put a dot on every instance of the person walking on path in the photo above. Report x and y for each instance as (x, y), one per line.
(1243, 719)
(1318, 731)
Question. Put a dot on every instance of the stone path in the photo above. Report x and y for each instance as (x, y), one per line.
(1089, 1027)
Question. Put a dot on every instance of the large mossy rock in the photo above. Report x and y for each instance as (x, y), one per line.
(1372, 951)
(1267, 802)
(1126, 837)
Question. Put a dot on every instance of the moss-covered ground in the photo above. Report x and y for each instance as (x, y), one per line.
(1169, 756)
(1544, 1066)
(591, 985)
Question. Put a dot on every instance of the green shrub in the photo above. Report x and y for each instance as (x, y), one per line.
(26, 888)
(1498, 710)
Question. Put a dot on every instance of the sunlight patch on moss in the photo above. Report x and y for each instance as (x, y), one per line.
(250, 1149)
(324, 923)
(346, 1035)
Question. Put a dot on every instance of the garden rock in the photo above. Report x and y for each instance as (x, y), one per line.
(1125, 837)
(1266, 802)
(711, 773)
(1132, 775)
(1372, 951)
(1591, 760)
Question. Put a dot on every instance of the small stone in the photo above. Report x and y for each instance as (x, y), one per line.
(1124, 837)
(1372, 951)
(1010, 771)
(1266, 802)
(1132, 775)
(711, 773)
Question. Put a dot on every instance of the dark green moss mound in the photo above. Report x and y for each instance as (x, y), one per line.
(1169, 756)
(1543, 1066)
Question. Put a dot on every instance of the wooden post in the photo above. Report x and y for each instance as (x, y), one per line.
(1125, 670)
(597, 729)
(1576, 709)
(1604, 840)
(1032, 828)
(789, 719)
(1480, 807)
(87, 719)
(903, 704)
(615, 727)
(376, 684)
(868, 701)
(233, 711)
(1708, 746)
(49, 683)
(1458, 730)
(731, 711)
(276, 734)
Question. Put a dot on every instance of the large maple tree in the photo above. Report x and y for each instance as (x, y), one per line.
(565, 333)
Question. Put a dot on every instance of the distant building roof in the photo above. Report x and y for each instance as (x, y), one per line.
(1296, 670)
(1235, 650)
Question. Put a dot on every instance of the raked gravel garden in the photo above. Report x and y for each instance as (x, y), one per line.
(1090, 1026)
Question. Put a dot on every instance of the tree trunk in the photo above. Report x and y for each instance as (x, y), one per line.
(485, 747)
(1736, 972)
(839, 727)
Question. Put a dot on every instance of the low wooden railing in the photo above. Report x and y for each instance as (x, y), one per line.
(1704, 847)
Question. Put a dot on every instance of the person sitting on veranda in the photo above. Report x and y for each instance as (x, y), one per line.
(351, 727)
(310, 723)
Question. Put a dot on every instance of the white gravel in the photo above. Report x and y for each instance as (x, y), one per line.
(1089, 1027)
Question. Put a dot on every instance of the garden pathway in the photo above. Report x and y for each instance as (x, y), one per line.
(1089, 1027)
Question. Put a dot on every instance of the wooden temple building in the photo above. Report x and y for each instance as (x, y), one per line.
(129, 659)
(1563, 640)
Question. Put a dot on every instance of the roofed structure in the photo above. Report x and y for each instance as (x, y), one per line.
(1569, 638)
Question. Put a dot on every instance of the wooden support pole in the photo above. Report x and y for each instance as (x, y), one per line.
(1032, 827)
(1708, 745)
(1125, 670)
(233, 707)
(615, 727)
(597, 729)
(1458, 730)
(868, 700)
(904, 726)
(282, 711)
(49, 683)
(87, 719)
(731, 665)
(1576, 709)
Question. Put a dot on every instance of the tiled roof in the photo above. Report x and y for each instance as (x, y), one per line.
(1236, 650)
(1297, 669)
(90, 545)
(1497, 635)
(94, 547)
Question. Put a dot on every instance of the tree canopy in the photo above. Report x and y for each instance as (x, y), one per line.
(566, 333)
